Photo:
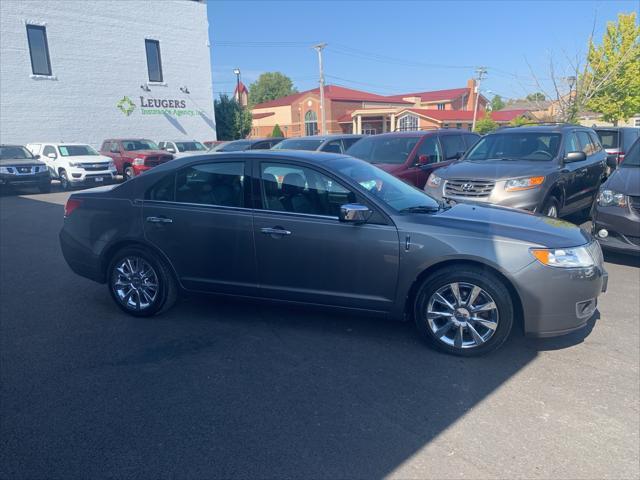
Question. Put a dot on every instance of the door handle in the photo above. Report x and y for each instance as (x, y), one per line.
(275, 231)
(159, 220)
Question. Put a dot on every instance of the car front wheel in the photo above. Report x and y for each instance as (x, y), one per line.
(464, 311)
(128, 172)
(65, 184)
(140, 283)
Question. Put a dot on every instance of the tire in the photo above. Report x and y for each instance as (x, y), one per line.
(65, 184)
(131, 292)
(45, 187)
(127, 172)
(494, 325)
(550, 205)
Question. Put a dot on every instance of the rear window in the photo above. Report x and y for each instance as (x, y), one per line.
(235, 146)
(384, 149)
(609, 138)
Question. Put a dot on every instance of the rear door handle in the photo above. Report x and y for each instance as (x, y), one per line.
(275, 231)
(159, 220)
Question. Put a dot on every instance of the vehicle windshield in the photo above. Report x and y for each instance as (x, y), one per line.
(76, 150)
(298, 144)
(527, 146)
(14, 153)
(190, 146)
(235, 146)
(132, 145)
(389, 189)
(384, 149)
(632, 158)
(609, 138)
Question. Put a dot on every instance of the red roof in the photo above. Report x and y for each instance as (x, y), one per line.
(346, 118)
(433, 96)
(240, 86)
(507, 115)
(466, 115)
(257, 116)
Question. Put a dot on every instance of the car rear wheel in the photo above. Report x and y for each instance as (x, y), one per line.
(140, 283)
(464, 311)
(128, 172)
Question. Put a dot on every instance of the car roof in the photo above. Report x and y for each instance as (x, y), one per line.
(122, 139)
(616, 128)
(555, 128)
(422, 133)
(333, 136)
(11, 145)
(58, 143)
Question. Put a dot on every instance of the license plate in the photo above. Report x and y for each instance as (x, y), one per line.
(99, 179)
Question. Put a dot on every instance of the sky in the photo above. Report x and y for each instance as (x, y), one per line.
(390, 47)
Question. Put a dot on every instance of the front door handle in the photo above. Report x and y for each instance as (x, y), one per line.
(275, 231)
(159, 220)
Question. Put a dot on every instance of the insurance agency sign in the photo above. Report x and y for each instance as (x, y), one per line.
(155, 106)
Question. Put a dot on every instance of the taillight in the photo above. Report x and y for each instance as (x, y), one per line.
(620, 157)
(71, 205)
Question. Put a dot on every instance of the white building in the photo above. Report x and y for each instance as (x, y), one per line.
(86, 70)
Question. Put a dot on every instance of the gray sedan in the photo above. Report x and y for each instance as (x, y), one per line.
(331, 230)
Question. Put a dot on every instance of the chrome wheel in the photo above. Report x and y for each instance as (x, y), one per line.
(552, 211)
(135, 283)
(462, 315)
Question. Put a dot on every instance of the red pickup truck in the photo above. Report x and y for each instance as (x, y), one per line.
(133, 156)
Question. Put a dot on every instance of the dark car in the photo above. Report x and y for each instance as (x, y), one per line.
(412, 156)
(133, 156)
(19, 168)
(249, 144)
(320, 143)
(616, 141)
(616, 214)
(555, 170)
(335, 231)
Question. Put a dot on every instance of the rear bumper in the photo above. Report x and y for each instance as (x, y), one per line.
(80, 258)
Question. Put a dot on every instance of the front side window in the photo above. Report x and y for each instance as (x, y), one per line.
(595, 141)
(49, 150)
(154, 62)
(585, 142)
(431, 148)
(334, 146)
(311, 123)
(453, 146)
(526, 146)
(76, 150)
(384, 149)
(571, 143)
(408, 123)
(188, 146)
(39, 50)
(133, 145)
(211, 184)
(295, 189)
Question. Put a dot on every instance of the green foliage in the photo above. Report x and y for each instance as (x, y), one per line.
(485, 125)
(232, 121)
(520, 120)
(611, 82)
(269, 86)
(536, 97)
(497, 103)
(276, 131)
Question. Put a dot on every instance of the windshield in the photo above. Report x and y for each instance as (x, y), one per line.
(632, 159)
(11, 152)
(392, 191)
(234, 146)
(76, 150)
(190, 146)
(384, 149)
(608, 138)
(132, 145)
(297, 144)
(528, 146)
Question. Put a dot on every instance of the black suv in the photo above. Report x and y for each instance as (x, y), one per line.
(550, 169)
(19, 168)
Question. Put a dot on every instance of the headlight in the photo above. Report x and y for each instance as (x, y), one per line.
(609, 198)
(138, 161)
(9, 170)
(434, 180)
(564, 257)
(43, 168)
(75, 164)
(517, 184)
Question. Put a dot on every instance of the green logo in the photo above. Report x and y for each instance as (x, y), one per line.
(126, 106)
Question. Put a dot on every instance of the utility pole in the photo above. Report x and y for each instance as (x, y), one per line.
(323, 115)
(481, 71)
(237, 72)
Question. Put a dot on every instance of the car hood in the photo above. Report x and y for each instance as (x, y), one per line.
(507, 223)
(494, 169)
(145, 153)
(19, 161)
(88, 158)
(625, 180)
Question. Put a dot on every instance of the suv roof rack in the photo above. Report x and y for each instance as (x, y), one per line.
(539, 124)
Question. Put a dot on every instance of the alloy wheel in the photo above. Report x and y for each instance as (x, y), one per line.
(462, 315)
(135, 283)
(552, 211)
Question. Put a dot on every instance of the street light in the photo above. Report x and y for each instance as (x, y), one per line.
(237, 72)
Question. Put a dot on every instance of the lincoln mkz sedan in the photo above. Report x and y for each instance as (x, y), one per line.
(328, 229)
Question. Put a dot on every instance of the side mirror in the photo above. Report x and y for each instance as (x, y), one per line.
(36, 156)
(423, 160)
(354, 213)
(52, 156)
(575, 157)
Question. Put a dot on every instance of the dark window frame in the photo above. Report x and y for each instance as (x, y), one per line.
(43, 29)
(156, 43)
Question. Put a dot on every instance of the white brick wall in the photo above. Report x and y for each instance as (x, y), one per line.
(97, 53)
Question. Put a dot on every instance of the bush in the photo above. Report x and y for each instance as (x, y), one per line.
(276, 131)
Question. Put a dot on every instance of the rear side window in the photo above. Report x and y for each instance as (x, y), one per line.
(452, 145)
(609, 138)
(211, 184)
(347, 142)
(470, 140)
(333, 146)
(163, 191)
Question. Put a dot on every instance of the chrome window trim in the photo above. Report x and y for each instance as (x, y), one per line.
(206, 205)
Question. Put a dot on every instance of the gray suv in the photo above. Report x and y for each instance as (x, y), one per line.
(555, 170)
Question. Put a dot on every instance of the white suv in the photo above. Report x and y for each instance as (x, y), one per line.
(180, 148)
(75, 164)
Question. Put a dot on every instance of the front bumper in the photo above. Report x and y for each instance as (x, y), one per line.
(557, 301)
(522, 200)
(622, 225)
(24, 180)
(92, 179)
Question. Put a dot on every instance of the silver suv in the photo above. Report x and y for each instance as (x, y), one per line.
(555, 170)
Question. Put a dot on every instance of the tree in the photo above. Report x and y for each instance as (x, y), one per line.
(485, 125)
(276, 131)
(536, 97)
(497, 103)
(269, 86)
(615, 64)
(232, 121)
(520, 120)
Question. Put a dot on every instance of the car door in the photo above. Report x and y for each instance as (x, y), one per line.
(51, 161)
(304, 253)
(430, 147)
(573, 175)
(585, 182)
(198, 217)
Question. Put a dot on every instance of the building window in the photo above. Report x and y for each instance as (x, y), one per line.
(311, 123)
(369, 131)
(39, 50)
(446, 125)
(441, 106)
(407, 123)
(458, 125)
(637, 122)
(154, 62)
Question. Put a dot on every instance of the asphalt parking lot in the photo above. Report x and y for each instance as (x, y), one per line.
(233, 389)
